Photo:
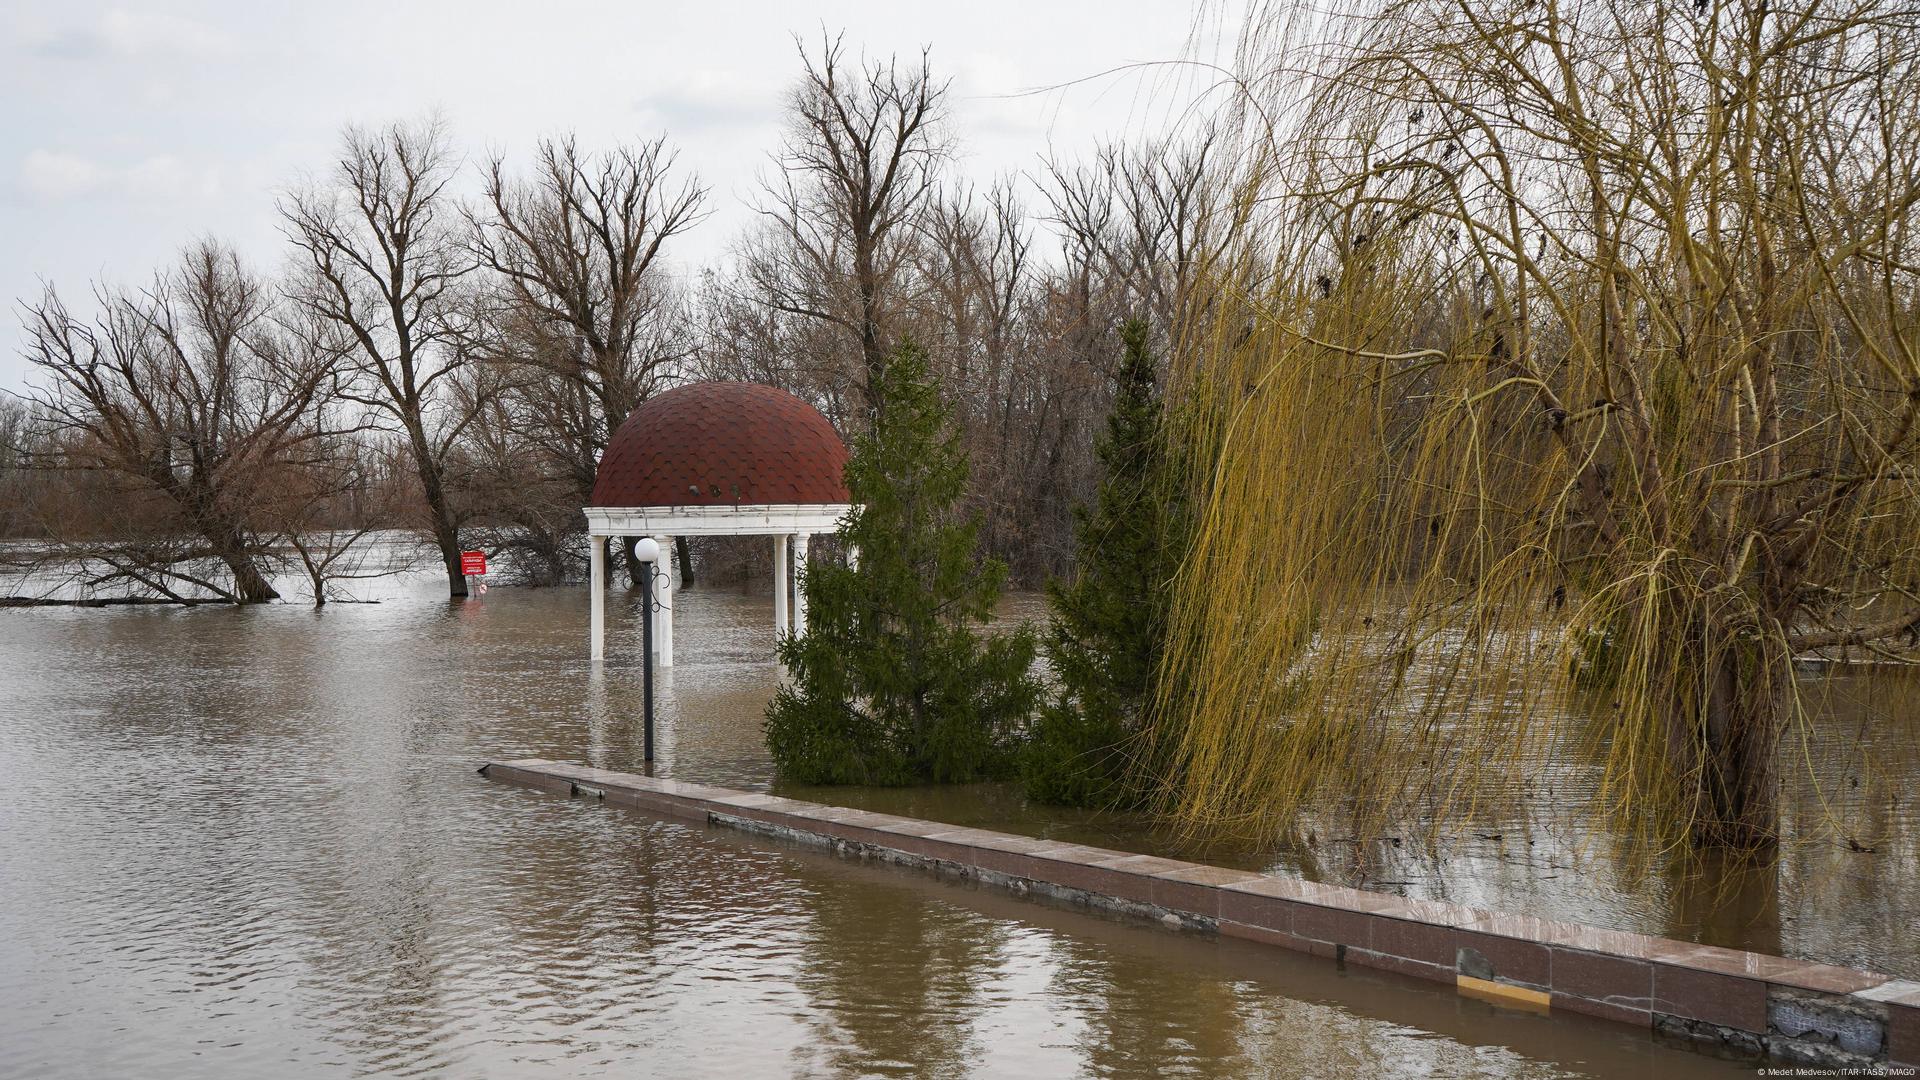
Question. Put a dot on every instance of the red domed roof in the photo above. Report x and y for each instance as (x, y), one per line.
(722, 444)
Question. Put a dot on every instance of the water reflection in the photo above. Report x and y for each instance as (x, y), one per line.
(1192, 1020)
(888, 975)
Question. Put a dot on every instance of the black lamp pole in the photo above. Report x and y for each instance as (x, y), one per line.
(646, 649)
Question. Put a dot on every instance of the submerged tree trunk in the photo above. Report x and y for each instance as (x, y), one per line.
(1724, 737)
(249, 584)
(446, 533)
(226, 539)
(448, 540)
(685, 554)
(1738, 793)
(229, 545)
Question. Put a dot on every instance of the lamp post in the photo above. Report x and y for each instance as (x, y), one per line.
(647, 553)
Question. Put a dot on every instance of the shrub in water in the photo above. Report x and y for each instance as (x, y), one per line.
(894, 681)
(1108, 625)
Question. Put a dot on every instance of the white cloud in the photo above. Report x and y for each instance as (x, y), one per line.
(120, 33)
(164, 176)
(51, 175)
(136, 33)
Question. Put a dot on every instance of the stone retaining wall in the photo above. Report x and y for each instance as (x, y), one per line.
(1790, 1010)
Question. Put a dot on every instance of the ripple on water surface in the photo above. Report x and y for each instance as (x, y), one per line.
(244, 843)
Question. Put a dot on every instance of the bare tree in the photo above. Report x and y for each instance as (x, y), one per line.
(860, 161)
(576, 249)
(385, 257)
(1142, 221)
(742, 338)
(1021, 399)
(196, 404)
(17, 451)
(533, 520)
(333, 506)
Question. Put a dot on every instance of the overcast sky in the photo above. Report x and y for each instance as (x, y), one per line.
(131, 129)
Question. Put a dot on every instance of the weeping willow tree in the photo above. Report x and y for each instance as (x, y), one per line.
(1564, 381)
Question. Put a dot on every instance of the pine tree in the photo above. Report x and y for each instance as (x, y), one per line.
(1107, 627)
(894, 681)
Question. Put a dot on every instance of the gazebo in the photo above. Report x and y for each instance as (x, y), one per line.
(717, 459)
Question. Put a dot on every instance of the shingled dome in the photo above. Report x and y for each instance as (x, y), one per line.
(722, 444)
(716, 459)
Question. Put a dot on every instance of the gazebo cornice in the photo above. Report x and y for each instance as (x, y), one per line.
(763, 520)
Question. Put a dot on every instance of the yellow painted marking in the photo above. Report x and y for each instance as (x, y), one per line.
(1516, 997)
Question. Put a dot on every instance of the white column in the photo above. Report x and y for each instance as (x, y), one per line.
(779, 584)
(800, 582)
(597, 589)
(663, 582)
(853, 557)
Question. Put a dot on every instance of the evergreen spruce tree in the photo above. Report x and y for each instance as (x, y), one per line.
(1108, 626)
(894, 681)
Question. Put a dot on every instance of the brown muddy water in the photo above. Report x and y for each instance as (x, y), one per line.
(237, 843)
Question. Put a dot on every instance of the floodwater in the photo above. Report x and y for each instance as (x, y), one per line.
(245, 842)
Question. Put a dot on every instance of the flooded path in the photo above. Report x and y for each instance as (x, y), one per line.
(241, 842)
